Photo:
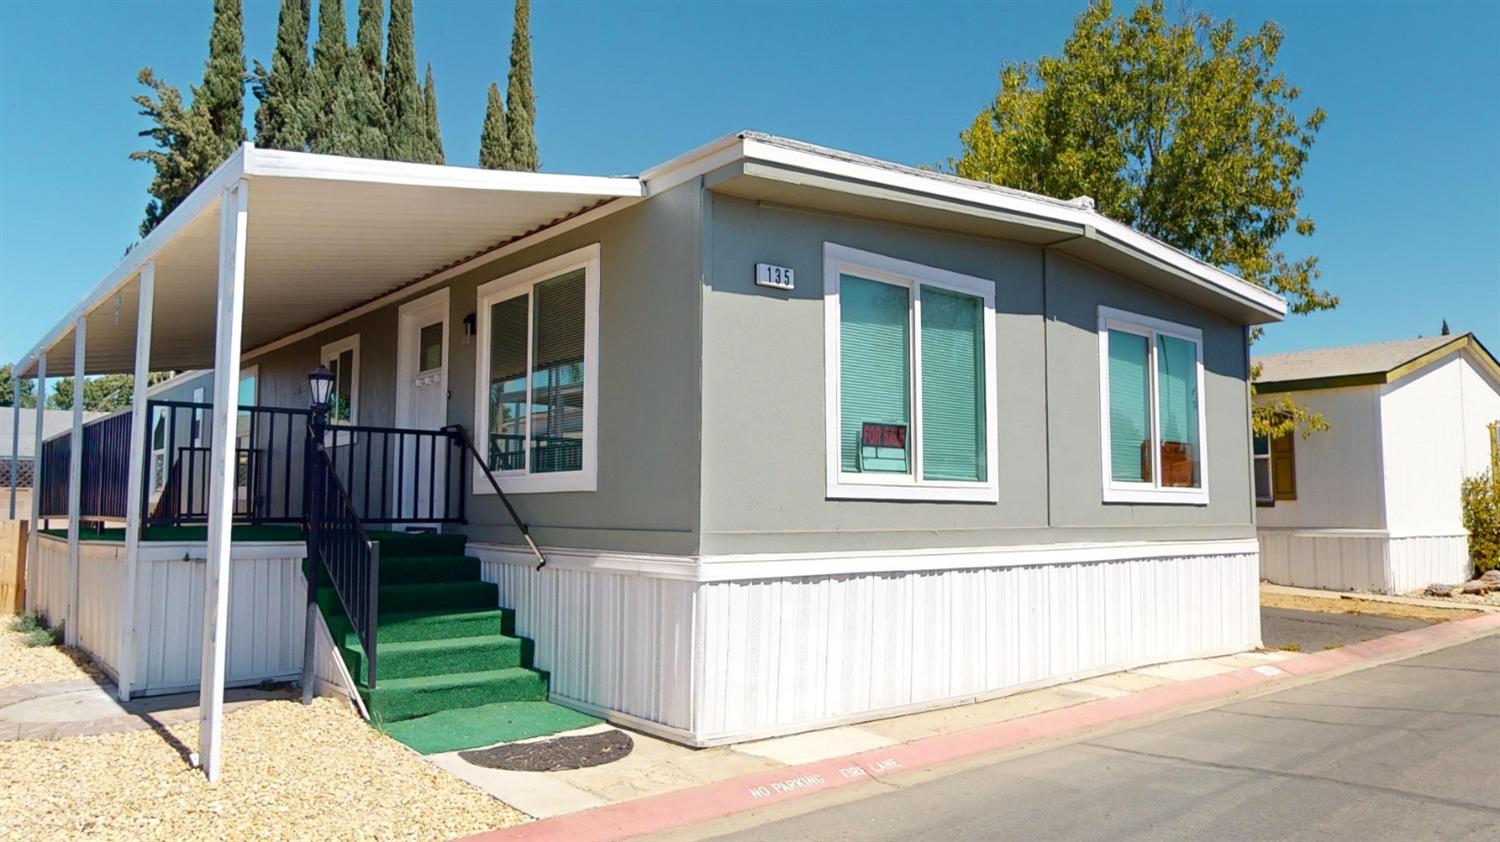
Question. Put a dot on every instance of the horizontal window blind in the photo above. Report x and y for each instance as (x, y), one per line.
(953, 422)
(1129, 407)
(874, 375)
(508, 338)
(557, 375)
(1177, 409)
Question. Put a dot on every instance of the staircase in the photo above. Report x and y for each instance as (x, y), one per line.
(452, 672)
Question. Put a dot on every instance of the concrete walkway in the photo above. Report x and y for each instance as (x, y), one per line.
(61, 709)
(656, 766)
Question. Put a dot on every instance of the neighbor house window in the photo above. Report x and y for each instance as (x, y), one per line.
(537, 374)
(1151, 383)
(1275, 469)
(911, 382)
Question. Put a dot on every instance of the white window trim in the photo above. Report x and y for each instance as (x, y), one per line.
(330, 352)
(838, 260)
(1255, 460)
(518, 283)
(1144, 492)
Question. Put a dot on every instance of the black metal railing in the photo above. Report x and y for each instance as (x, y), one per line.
(339, 547)
(106, 469)
(462, 436)
(393, 475)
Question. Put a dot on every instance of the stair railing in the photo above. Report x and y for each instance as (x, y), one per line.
(468, 444)
(338, 544)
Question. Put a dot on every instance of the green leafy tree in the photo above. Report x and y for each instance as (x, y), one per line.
(184, 149)
(520, 101)
(494, 145)
(105, 393)
(285, 115)
(407, 138)
(1185, 131)
(430, 117)
(8, 388)
(326, 76)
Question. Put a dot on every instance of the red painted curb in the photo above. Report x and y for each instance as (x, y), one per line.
(668, 810)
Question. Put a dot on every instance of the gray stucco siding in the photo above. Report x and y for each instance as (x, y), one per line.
(647, 493)
(764, 468)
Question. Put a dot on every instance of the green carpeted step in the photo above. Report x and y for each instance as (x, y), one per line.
(401, 544)
(439, 596)
(420, 569)
(453, 730)
(405, 698)
(427, 625)
(414, 658)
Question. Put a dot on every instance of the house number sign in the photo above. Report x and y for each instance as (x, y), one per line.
(776, 277)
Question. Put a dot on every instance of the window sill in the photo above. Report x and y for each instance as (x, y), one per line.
(969, 493)
(1167, 496)
(536, 483)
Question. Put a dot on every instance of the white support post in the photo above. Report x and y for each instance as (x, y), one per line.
(15, 442)
(233, 219)
(36, 479)
(75, 481)
(135, 503)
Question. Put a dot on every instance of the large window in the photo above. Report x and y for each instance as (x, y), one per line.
(1151, 382)
(342, 360)
(911, 381)
(537, 378)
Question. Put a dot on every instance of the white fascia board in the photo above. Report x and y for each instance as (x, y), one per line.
(204, 198)
(694, 163)
(280, 164)
(1119, 236)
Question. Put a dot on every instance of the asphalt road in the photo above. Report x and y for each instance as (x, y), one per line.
(1313, 631)
(1405, 751)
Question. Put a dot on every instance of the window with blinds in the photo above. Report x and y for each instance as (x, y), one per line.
(1152, 419)
(536, 334)
(910, 347)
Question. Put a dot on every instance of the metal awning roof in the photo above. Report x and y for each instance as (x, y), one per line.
(325, 234)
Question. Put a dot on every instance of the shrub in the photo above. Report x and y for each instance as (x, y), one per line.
(1481, 503)
(33, 632)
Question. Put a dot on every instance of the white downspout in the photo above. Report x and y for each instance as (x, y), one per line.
(233, 218)
(135, 483)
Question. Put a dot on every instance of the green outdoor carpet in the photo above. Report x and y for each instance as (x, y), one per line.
(452, 673)
(453, 730)
(187, 533)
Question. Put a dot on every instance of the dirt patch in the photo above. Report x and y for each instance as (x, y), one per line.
(554, 755)
(23, 664)
(290, 772)
(1355, 605)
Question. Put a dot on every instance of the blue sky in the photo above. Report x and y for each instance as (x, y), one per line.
(1403, 181)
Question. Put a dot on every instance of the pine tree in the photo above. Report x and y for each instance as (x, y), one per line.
(330, 56)
(364, 125)
(1446, 331)
(520, 101)
(222, 94)
(185, 152)
(494, 146)
(430, 117)
(367, 40)
(286, 107)
(406, 139)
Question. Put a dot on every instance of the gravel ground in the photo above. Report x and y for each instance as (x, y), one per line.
(22, 664)
(290, 772)
(1355, 605)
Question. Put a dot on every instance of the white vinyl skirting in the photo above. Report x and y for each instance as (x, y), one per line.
(710, 662)
(1362, 559)
(267, 609)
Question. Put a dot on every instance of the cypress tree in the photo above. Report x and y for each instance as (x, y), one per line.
(184, 151)
(406, 138)
(221, 97)
(430, 113)
(367, 40)
(282, 120)
(357, 113)
(520, 101)
(330, 56)
(494, 147)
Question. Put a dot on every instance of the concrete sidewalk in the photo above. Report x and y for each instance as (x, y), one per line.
(655, 766)
(58, 710)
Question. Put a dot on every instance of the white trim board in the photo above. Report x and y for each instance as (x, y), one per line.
(749, 566)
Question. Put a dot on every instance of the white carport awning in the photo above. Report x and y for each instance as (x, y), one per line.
(325, 234)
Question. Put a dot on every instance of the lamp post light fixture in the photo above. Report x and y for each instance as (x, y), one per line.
(320, 380)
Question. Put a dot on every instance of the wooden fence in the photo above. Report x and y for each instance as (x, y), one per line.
(13, 535)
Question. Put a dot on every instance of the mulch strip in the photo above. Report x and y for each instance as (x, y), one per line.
(554, 755)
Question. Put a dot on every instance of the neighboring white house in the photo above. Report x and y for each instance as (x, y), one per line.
(1372, 503)
(18, 453)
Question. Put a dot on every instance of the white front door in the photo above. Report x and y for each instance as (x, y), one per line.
(422, 403)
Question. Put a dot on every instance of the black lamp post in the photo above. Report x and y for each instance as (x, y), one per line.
(320, 383)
